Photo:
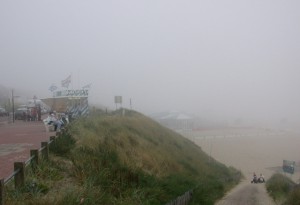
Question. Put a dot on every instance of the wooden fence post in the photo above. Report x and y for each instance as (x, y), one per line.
(20, 176)
(35, 160)
(52, 138)
(45, 151)
(2, 192)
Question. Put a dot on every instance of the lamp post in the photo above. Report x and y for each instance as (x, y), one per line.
(13, 104)
(35, 113)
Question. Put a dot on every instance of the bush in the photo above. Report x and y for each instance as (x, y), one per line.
(294, 196)
(62, 144)
(279, 186)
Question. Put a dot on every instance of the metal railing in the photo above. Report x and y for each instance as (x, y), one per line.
(19, 167)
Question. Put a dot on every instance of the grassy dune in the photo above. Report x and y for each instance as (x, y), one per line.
(283, 190)
(130, 159)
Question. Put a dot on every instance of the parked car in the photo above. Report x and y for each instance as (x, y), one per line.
(3, 112)
(21, 113)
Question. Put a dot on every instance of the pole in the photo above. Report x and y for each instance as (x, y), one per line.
(130, 104)
(13, 105)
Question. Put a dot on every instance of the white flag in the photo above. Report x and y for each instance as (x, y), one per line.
(65, 83)
(88, 86)
(52, 87)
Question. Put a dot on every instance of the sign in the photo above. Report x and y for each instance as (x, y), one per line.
(118, 99)
(72, 93)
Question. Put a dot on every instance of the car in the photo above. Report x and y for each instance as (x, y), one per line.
(21, 113)
(3, 112)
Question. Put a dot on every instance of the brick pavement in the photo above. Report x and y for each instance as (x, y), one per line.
(16, 141)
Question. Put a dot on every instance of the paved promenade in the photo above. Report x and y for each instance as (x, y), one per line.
(16, 141)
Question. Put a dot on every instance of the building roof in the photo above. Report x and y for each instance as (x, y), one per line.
(174, 116)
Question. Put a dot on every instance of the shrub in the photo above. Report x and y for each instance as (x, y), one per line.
(294, 196)
(62, 144)
(279, 186)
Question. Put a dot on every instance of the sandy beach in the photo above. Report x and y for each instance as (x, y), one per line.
(251, 150)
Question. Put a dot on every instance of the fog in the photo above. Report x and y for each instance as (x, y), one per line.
(218, 59)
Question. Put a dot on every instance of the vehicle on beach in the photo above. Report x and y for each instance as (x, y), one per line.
(288, 166)
(258, 180)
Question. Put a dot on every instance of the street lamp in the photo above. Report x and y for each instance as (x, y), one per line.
(13, 103)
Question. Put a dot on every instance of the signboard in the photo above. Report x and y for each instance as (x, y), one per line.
(74, 102)
(72, 93)
(118, 99)
(288, 166)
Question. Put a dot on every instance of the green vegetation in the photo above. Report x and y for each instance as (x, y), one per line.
(130, 159)
(283, 190)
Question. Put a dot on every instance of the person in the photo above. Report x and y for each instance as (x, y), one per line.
(254, 178)
(64, 118)
(39, 113)
(56, 122)
(261, 178)
(60, 120)
(28, 114)
(24, 115)
(33, 114)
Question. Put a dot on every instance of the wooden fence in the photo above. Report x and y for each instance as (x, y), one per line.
(19, 167)
(183, 199)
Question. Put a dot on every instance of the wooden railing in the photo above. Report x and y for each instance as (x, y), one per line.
(183, 199)
(19, 167)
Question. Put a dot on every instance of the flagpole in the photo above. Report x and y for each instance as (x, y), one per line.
(72, 81)
(78, 78)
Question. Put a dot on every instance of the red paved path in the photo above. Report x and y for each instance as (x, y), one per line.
(16, 141)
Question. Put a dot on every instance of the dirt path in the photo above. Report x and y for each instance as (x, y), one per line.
(247, 194)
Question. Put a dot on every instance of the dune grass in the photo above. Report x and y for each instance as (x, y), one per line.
(283, 190)
(125, 159)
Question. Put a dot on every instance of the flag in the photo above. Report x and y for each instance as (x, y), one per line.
(88, 86)
(65, 83)
(52, 87)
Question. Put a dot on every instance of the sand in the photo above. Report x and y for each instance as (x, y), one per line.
(251, 150)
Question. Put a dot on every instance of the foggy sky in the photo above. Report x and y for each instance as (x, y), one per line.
(220, 58)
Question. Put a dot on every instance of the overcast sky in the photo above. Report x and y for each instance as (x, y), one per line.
(224, 58)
